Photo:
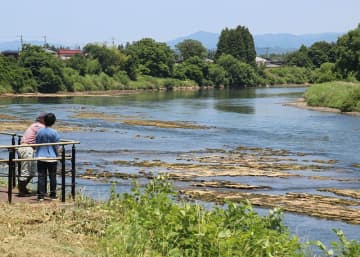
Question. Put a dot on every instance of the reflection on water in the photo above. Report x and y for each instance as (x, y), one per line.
(248, 117)
(235, 108)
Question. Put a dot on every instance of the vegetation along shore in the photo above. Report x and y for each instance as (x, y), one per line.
(159, 220)
(150, 223)
(147, 64)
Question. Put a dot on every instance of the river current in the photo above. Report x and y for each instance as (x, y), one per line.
(246, 117)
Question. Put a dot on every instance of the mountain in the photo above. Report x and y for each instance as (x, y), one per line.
(10, 45)
(290, 42)
(208, 39)
(264, 43)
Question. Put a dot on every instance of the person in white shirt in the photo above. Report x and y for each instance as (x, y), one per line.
(28, 168)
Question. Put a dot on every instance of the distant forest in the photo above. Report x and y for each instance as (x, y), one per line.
(149, 64)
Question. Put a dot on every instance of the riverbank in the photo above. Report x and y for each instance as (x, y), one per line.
(48, 229)
(134, 225)
(134, 91)
(100, 93)
(301, 103)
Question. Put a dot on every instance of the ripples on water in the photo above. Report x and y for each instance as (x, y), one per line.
(249, 117)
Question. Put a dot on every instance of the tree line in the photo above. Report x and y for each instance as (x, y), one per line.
(155, 64)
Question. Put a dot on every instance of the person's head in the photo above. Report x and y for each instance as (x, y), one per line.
(41, 118)
(49, 119)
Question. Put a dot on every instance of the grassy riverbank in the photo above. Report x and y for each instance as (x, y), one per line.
(344, 96)
(149, 223)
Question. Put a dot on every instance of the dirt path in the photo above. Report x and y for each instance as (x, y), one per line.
(18, 199)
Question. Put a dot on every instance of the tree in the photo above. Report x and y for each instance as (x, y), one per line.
(238, 43)
(78, 62)
(49, 81)
(348, 54)
(217, 75)
(111, 60)
(237, 73)
(193, 68)
(43, 66)
(190, 48)
(299, 58)
(151, 57)
(322, 52)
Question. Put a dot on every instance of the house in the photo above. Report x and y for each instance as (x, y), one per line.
(266, 62)
(260, 61)
(65, 54)
(13, 53)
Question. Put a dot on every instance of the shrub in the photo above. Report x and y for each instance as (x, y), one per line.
(344, 96)
(152, 223)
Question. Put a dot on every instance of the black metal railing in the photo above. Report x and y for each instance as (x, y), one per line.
(12, 160)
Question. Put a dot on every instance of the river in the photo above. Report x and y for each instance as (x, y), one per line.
(233, 118)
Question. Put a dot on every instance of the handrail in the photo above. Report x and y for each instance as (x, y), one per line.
(37, 159)
(8, 134)
(68, 142)
(12, 160)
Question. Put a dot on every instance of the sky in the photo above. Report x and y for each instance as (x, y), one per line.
(120, 21)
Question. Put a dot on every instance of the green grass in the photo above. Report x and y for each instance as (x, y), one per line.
(153, 221)
(344, 96)
(3, 182)
(148, 82)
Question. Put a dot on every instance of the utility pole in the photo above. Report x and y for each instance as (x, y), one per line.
(267, 52)
(113, 41)
(21, 41)
(45, 43)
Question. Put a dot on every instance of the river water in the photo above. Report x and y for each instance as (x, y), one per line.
(247, 117)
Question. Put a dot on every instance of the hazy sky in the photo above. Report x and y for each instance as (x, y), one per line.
(84, 21)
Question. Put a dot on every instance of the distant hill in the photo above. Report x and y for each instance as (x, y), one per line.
(208, 39)
(16, 45)
(10, 45)
(264, 43)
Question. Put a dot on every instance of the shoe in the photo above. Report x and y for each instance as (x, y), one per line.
(53, 197)
(40, 199)
(23, 191)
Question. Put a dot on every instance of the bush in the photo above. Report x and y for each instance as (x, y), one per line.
(325, 73)
(344, 96)
(152, 223)
(122, 77)
(287, 75)
(78, 87)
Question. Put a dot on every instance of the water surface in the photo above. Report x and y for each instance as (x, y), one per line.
(247, 117)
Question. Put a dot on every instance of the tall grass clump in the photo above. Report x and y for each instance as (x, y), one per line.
(156, 223)
(344, 96)
(149, 82)
(286, 75)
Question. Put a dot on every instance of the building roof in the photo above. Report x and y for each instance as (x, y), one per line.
(10, 53)
(259, 59)
(68, 52)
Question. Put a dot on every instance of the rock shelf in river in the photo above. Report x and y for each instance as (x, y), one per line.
(313, 205)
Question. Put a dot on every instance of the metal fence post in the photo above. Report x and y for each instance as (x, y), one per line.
(19, 163)
(11, 173)
(63, 174)
(13, 164)
(73, 170)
